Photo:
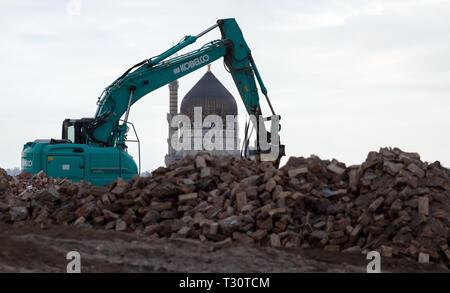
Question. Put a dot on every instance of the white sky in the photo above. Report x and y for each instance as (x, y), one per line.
(347, 77)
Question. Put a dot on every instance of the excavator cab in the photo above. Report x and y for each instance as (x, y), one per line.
(74, 130)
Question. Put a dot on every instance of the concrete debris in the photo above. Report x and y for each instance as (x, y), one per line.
(393, 203)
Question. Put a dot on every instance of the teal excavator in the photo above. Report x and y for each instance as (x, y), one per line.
(95, 150)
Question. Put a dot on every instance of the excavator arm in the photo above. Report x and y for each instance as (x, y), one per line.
(158, 71)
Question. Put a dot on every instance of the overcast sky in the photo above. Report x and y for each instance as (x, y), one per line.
(347, 77)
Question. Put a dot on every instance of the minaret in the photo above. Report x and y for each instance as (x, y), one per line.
(173, 110)
(173, 97)
(173, 94)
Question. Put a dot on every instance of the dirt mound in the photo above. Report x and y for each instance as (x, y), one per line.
(393, 203)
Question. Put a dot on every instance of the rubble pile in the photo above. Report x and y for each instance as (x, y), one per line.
(393, 203)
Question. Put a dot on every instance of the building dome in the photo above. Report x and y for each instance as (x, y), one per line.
(212, 96)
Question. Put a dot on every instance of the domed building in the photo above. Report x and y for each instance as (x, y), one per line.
(207, 101)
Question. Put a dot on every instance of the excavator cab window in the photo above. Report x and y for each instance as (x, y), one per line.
(71, 133)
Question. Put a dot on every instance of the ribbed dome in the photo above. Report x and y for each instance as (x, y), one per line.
(211, 95)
